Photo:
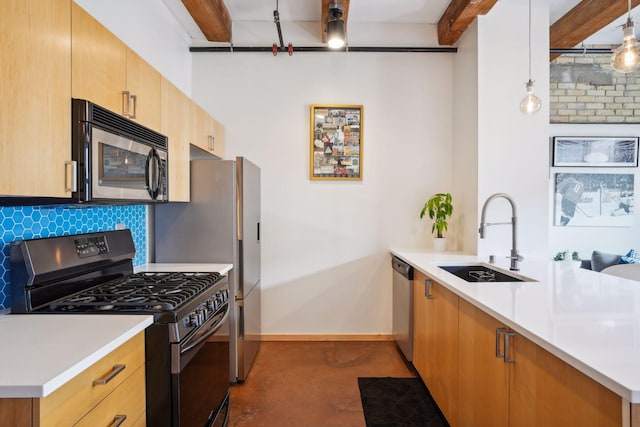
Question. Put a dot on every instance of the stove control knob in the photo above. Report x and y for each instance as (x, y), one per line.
(193, 320)
(211, 304)
(200, 315)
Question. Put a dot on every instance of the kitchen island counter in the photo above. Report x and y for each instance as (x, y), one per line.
(589, 320)
(42, 352)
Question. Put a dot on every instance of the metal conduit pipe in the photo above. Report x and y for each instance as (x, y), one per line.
(583, 51)
(217, 49)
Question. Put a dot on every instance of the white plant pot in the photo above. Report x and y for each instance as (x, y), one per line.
(439, 244)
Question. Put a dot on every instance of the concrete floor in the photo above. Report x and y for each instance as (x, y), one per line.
(312, 383)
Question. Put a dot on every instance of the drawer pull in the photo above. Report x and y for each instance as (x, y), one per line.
(111, 375)
(118, 420)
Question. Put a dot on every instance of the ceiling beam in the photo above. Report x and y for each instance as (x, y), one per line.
(325, 13)
(212, 17)
(585, 19)
(458, 16)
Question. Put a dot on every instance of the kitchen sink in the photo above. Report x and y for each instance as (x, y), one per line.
(482, 274)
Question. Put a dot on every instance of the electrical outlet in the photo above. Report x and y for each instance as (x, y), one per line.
(121, 226)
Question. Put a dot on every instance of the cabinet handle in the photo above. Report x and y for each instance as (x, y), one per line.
(212, 143)
(499, 332)
(111, 375)
(127, 101)
(427, 289)
(70, 176)
(507, 341)
(118, 420)
(134, 99)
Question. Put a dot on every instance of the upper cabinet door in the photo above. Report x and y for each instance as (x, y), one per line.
(176, 124)
(206, 132)
(35, 118)
(144, 85)
(108, 73)
(98, 62)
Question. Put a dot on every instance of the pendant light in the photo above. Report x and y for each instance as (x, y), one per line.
(625, 58)
(530, 104)
(335, 27)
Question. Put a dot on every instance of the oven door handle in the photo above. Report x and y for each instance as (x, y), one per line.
(201, 336)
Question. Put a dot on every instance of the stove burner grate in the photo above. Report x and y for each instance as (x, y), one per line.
(152, 291)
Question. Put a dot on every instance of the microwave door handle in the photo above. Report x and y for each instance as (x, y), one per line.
(152, 173)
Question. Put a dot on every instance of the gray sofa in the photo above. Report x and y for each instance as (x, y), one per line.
(611, 264)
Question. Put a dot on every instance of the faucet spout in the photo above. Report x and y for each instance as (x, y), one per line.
(514, 256)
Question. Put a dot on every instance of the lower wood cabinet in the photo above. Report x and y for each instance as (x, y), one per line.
(483, 383)
(435, 353)
(483, 374)
(523, 385)
(111, 390)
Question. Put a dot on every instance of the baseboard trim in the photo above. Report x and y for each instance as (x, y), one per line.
(326, 337)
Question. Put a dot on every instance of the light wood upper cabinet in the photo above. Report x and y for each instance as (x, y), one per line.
(176, 107)
(144, 83)
(206, 132)
(436, 343)
(35, 132)
(98, 62)
(103, 67)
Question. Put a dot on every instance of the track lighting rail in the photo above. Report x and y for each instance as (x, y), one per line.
(226, 49)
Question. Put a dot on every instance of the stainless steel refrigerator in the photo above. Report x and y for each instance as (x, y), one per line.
(221, 224)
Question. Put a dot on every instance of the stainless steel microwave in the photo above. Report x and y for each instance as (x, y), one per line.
(115, 159)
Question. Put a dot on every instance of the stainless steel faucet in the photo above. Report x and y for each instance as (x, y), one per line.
(514, 257)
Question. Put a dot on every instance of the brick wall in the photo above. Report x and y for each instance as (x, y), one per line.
(586, 89)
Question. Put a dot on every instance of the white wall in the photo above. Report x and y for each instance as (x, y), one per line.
(512, 147)
(149, 28)
(464, 222)
(325, 245)
(585, 240)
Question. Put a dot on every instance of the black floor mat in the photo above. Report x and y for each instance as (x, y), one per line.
(398, 402)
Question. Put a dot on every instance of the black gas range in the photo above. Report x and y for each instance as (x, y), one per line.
(93, 273)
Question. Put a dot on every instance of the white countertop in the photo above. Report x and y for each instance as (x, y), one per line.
(590, 320)
(41, 352)
(185, 267)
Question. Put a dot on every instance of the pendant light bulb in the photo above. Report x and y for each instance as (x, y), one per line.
(531, 103)
(626, 58)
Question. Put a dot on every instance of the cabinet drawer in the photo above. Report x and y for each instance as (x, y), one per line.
(70, 402)
(127, 400)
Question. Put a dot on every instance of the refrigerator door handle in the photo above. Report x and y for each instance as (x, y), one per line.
(240, 319)
(258, 231)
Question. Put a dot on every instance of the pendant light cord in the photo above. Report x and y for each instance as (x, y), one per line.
(530, 40)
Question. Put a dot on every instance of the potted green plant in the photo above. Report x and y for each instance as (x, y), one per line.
(564, 256)
(439, 207)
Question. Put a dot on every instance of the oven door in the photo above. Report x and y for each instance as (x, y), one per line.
(124, 169)
(202, 383)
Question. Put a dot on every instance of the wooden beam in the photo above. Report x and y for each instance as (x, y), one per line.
(458, 16)
(325, 13)
(585, 19)
(212, 17)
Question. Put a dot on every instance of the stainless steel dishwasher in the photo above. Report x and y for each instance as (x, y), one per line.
(403, 306)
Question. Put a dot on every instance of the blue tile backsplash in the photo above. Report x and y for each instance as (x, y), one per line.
(29, 222)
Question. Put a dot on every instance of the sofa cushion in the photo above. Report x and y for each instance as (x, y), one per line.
(601, 260)
(632, 257)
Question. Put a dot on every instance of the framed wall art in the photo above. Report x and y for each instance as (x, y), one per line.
(336, 142)
(595, 151)
(594, 199)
